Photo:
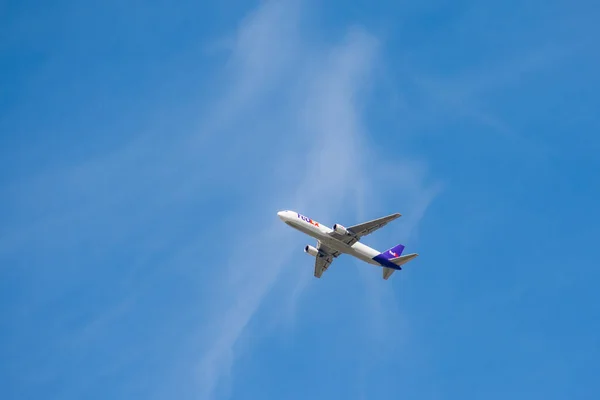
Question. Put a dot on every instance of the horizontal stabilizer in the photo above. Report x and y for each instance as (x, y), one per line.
(387, 272)
(404, 259)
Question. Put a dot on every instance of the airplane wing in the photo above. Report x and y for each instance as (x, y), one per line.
(324, 258)
(322, 262)
(371, 226)
(360, 230)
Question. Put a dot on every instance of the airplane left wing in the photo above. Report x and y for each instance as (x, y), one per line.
(322, 262)
(327, 250)
(324, 259)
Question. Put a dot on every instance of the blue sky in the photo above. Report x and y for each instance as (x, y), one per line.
(146, 149)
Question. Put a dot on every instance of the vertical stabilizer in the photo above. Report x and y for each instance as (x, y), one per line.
(394, 252)
(385, 258)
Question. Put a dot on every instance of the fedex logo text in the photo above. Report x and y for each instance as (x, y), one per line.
(310, 221)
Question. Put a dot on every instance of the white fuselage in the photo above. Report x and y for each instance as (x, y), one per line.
(321, 233)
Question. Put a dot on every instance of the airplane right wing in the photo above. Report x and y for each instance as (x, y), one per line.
(360, 230)
(371, 226)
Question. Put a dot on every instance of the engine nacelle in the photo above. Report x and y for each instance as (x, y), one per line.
(311, 250)
(340, 229)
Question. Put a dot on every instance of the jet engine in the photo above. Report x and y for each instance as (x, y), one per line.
(311, 250)
(340, 229)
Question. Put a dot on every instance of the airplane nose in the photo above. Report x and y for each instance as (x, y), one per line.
(280, 214)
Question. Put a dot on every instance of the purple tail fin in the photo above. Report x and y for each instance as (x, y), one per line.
(385, 257)
(394, 252)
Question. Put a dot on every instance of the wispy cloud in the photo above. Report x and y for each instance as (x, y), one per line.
(325, 123)
(286, 128)
(324, 109)
(466, 95)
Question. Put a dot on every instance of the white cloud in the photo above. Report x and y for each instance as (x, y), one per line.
(466, 95)
(289, 119)
(323, 120)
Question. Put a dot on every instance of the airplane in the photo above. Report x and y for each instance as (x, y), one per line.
(331, 243)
